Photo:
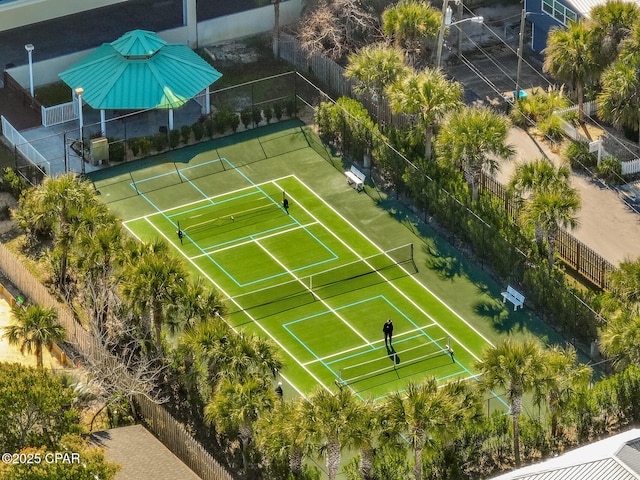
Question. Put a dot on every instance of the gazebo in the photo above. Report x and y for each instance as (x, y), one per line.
(140, 71)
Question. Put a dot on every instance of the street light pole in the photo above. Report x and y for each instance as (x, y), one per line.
(79, 91)
(520, 47)
(446, 22)
(29, 48)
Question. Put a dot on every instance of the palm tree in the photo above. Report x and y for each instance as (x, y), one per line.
(530, 178)
(472, 139)
(236, 406)
(95, 258)
(563, 375)
(58, 205)
(34, 327)
(536, 175)
(619, 100)
(375, 67)
(424, 412)
(550, 210)
(364, 436)
(195, 303)
(620, 339)
(429, 96)
(328, 419)
(624, 284)
(514, 367)
(279, 435)
(409, 23)
(613, 22)
(571, 57)
(151, 283)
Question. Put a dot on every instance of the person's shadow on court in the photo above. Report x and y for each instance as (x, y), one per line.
(393, 356)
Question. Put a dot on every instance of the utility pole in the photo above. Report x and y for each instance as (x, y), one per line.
(523, 17)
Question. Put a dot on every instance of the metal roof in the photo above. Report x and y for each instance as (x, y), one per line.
(139, 71)
(613, 458)
(583, 7)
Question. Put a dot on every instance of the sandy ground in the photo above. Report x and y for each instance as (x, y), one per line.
(10, 353)
(606, 224)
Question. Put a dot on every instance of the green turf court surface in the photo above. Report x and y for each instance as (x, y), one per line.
(308, 278)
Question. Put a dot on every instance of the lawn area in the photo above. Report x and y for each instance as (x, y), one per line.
(321, 277)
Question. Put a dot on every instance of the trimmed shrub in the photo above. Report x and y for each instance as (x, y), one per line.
(267, 111)
(291, 106)
(198, 131)
(579, 156)
(235, 122)
(159, 142)
(145, 145)
(174, 139)
(210, 127)
(185, 134)
(610, 170)
(134, 145)
(256, 115)
(245, 116)
(278, 110)
(116, 150)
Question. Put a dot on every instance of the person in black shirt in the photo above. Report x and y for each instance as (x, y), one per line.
(388, 332)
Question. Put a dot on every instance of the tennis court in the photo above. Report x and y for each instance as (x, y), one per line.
(304, 276)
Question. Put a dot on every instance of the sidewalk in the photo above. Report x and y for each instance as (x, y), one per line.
(606, 223)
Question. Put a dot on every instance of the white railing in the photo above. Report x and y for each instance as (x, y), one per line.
(24, 147)
(58, 114)
(630, 167)
(589, 108)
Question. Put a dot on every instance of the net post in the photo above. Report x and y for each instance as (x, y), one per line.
(134, 184)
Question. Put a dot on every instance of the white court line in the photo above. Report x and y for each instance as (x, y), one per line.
(331, 309)
(144, 217)
(344, 352)
(253, 240)
(204, 274)
(390, 283)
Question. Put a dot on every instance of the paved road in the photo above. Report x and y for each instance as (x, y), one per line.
(606, 223)
(91, 29)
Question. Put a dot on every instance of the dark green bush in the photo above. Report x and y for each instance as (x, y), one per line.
(174, 138)
(267, 111)
(291, 106)
(610, 171)
(185, 134)
(159, 142)
(116, 150)
(277, 110)
(145, 145)
(579, 156)
(13, 183)
(256, 116)
(210, 127)
(245, 116)
(134, 145)
(234, 122)
(198, 131)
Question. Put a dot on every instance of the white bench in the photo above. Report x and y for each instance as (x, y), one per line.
(355, 178)
(514, 297)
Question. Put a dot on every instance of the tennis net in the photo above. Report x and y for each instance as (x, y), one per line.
(247, 212)
(362, 273)
(393, 361)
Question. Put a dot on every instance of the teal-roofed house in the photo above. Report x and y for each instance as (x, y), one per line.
(140, 71)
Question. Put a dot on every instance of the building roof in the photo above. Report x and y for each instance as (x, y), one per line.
(583, 7)
(139, 71)
(614, 458)
(140, 455)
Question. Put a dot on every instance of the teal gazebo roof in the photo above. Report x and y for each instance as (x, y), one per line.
(140, 71)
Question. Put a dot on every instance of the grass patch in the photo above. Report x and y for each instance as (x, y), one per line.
(53, 94)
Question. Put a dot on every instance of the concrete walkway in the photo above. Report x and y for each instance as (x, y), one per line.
(606, 223)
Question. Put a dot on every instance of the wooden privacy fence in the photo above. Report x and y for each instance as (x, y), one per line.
(330, 74)
(170, 432)
(572, 251)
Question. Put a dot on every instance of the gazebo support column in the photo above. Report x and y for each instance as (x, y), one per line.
(103, 123)
(171, 119)
(207, 105)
